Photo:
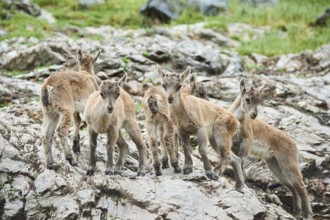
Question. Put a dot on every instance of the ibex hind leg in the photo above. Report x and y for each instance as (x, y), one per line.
(278, 172)
(153, 145)
(62, 132)
(169, 142)
(50, 123)
(295, 177)
(123, 149)
(163, 148)
(76, 136)
(134, 132)
(223, 142)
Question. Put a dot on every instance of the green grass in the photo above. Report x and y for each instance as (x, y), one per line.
(288, 22)
(113, 12)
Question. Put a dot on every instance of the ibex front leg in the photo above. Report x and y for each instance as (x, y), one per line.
(112, 139)
(92, 147)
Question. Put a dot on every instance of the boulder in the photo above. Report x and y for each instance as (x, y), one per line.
(91, 2)
(209, 7)
(161, 10)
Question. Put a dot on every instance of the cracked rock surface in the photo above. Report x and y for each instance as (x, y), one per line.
(298, 87)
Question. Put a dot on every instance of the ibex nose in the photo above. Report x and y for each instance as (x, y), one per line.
(254, 115)
(170, 99)
(110, 109)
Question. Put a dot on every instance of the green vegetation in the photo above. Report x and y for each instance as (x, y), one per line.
(12, 73)
(288, 21)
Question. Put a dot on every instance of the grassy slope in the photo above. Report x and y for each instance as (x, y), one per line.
(288, 21)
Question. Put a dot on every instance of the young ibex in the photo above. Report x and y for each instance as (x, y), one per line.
(196, 88)
(107, 111)
(195, 116)
(157, 120)
(63, 96)
(271, 144)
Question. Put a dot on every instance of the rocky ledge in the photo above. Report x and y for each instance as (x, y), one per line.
(297, 102)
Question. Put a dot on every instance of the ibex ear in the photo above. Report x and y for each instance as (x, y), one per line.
(242, 86)
(97, 55)
(185, 73)
(262, 87)
(160, 72)
(80, 55)
(193, 78)
(122, 80)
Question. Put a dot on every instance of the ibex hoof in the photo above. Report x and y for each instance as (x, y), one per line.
(108, 172)
(71, 160)
(76, 146)
(176, 167)
(165, 164)
(90, 172)
(140, 173)
(50, 166)
(187, 170)
(157, 169)
(117, 172)
(212, 176)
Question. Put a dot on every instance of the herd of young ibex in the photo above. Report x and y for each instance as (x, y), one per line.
(172, 112)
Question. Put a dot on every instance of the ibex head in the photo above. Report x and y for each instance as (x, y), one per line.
(198, 89)
(110, 91)
(172, 83)
(250, 99)
(87, 61)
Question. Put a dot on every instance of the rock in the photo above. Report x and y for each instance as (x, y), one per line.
(45, 181)
(13, 166)
(260, 2)
(161, 10)
(91, 2)
(86, 196)
(209, 7)
(321, 20)
(47, 16)
(300, 107)
(13, 209)
(39, 55)
(246, 32)
(200, 57)
(23, 5)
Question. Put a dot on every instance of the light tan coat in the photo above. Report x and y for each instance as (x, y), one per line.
(107, 111)
(158, 124)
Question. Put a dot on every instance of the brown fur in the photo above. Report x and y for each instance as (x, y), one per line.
(195, 88)
(107, 111)
(63, 96)
(271, 144)
(195, 116)
(157, 120)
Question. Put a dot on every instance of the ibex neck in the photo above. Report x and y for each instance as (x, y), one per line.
(89, 69)
(236, 109)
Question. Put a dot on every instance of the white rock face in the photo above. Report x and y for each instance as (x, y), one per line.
(27, 190)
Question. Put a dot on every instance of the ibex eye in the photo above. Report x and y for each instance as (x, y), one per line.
(102, 94)
(247, 100)
(117, 95)
(164, 86)
(178, 87)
